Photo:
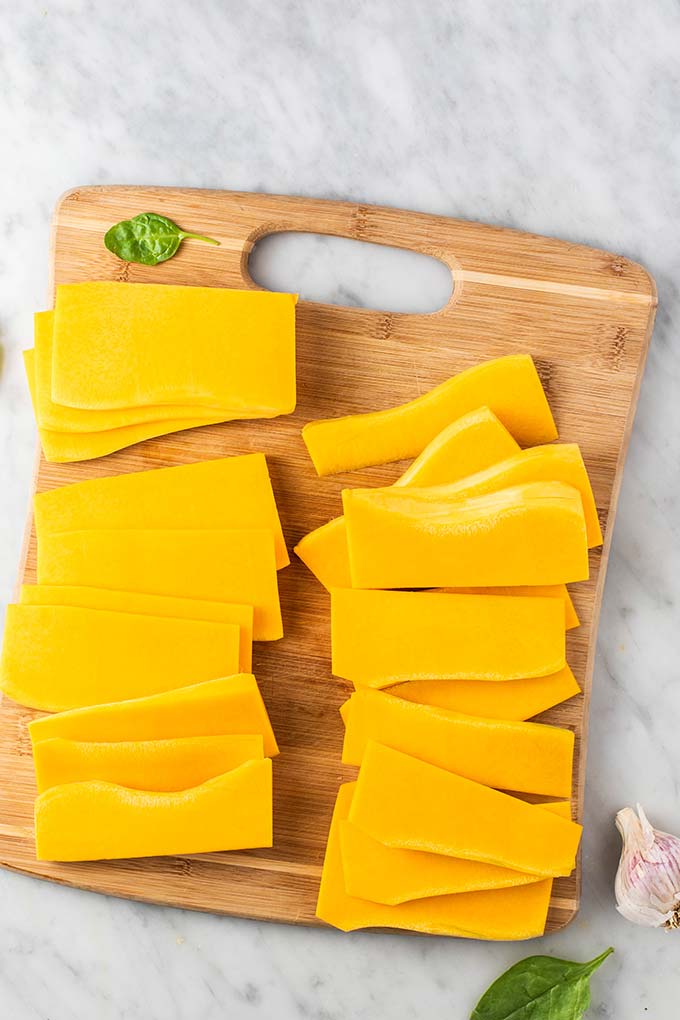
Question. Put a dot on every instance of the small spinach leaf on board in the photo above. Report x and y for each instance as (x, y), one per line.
(540, 988)
(148, 239)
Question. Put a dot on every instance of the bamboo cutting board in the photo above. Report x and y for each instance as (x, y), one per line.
(586, 317)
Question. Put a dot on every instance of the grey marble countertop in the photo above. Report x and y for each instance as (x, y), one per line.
(556, 118)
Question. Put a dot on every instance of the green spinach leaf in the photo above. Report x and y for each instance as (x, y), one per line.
(148, 238)
(540, 988)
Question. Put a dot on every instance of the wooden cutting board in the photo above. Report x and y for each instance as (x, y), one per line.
(586, 317)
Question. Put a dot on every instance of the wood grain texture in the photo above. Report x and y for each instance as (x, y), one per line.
(586, 317)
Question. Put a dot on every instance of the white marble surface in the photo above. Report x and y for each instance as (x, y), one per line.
(557, 118)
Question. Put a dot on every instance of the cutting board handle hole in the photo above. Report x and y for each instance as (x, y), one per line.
(357, 274)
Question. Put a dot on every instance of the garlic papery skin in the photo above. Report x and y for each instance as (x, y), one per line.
(647, 885)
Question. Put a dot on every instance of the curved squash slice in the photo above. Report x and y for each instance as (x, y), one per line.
(160, 765)
(517, 913)
(464, 447)
(225, 494)
(379, 638)
(509, 386)
(403, 802)
(561, 462)
(147, 605)
(173, 344)
(66, 447)
(60, 418)
(514, 699)
(389, 875)
(527, 534)
(62, 657)
(229, 705)
(94, 820)
(219, 566)
(523, 756)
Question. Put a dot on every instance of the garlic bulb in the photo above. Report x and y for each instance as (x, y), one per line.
(647, 883)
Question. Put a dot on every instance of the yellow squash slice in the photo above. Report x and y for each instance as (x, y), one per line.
(161, 765)
(559, 462)
(527, 534)
(523, 756)
(404, 802)
(61, 657)
(147, 605)
(229, 493)
(464, 447)
(60, 418)
(219, 566)
(228, 705)
(130, 344)
(380, 638)
(509, 386)
(95, 820)
(516, 913)
(390, 875)
(514, 699)
(66, 447)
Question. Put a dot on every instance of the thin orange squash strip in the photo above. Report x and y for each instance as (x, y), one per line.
(514, 699)
(218, 566)
(404, 802)
(390, 875)
(517, 913)
(464, 447)
(229, 705)
(62, 419)
(95, 820)
(147, 605)
(527, 534)
(128, 344)
(161, 765)
(559, 462)
(230, 493)
(382, 637)
(67, 447)
(61, 657)
(523, 756)
(509, 386)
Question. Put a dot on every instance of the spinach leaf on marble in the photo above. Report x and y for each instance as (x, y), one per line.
(540, 988)
(148, 239)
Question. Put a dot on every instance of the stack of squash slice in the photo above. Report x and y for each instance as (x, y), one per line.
(449, 610)
(182, 357)
(151, 589)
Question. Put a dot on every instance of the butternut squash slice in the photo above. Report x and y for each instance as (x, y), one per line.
(404, 802)
(509, 386)
(229, 493)
(390, 875)
(61, 657)
(95, 820)
(514, 913)
(59, 418)
(228, 705)
(216, 566)
(561, 462)
(173, 344)
(514, 699)
(523, 756)
(527, 534)
(147, 605)
(161, 765)
(557, 591)
(380, 638)
(66, 447)
(464, 447)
